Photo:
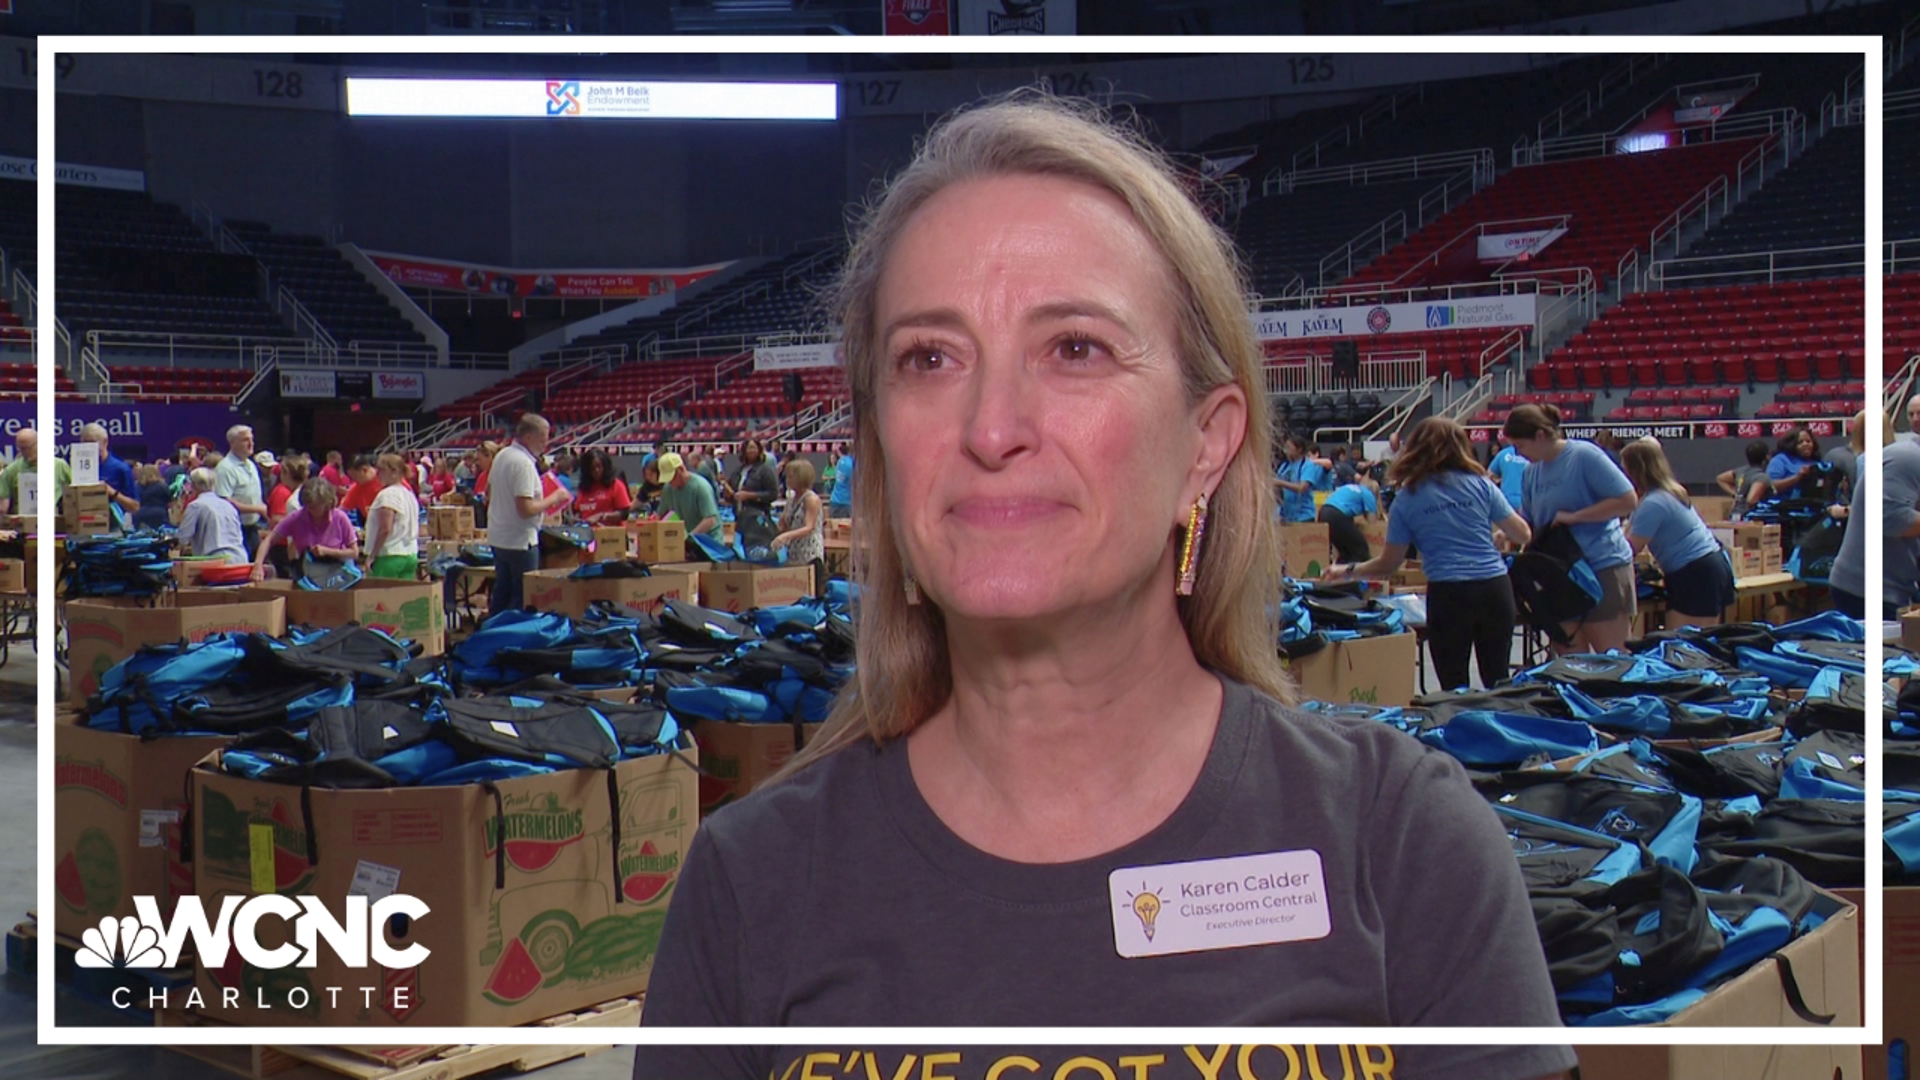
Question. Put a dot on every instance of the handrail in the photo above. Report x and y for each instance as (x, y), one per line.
(1474, 232)
(1895, 392)
(725, 369)
(1501, 347)
(1584, 104)
(1390, 417)
(1663, 270)
(1729, 193)
(1892, 258)
(261, 374)
(1388, 231)
(1449, 162)
(656, 401)
(706, 311)
(807, 265)
(285, 303)
(1738, 126)
(23, 287)
(63, 345)
(239, 344)
(1899, 106)
(1354, 130)
(1896, 48)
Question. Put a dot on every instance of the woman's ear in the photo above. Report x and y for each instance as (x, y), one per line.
(1221, 422)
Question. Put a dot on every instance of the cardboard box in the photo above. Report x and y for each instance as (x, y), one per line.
(1826, 965)
(450, 522)
(405, 609)
(84, 510)
(433, 549)
(13, 575)
(1743, 535)
(659, 541)
(553, 590)
(839, 529)
(553, 920)
(1713, 509)
(1910, 629)
(118, 803)
(1900, 975)
(101, 632)
(609, 543)
(736, 590)
(1375, 671)
(1748, 562)
(1305, 550)
(737, 758)
(1376, 534)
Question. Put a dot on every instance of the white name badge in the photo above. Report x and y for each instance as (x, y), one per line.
(1231, 903)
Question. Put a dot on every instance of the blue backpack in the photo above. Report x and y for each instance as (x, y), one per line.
(138, 694)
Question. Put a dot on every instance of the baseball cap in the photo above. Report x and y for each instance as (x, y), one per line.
(668, 464)
(264, 458)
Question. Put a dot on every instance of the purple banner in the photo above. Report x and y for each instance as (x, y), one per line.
(136, 429)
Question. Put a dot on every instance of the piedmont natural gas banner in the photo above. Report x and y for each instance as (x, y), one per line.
(1477, 313)
(407, 270)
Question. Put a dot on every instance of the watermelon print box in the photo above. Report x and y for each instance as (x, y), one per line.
(117, 807)
(551, 920)
(102, 632)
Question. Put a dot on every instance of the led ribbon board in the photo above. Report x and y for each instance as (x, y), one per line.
(588, 99)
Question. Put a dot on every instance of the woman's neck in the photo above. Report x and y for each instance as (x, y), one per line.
(1066, 744)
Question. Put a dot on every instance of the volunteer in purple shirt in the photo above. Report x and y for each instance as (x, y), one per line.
(319, 528)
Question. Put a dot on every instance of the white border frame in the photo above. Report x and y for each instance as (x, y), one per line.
(1870, 48)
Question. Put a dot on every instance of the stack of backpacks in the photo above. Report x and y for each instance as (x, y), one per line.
(1313, 615)
(1662, 859)
(139, 564)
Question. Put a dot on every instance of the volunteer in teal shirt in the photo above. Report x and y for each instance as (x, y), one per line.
(1698, 576)
(1574, 484)
(1508, 468)
(1347, 502)
(1448, 509)
(1300, 476)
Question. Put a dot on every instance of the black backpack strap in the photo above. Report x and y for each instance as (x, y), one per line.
(1795, 999)
(613, 801)
(499, 835)
(306, 819)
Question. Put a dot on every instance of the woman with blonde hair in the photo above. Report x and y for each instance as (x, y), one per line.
(803, 523)
(1698, 576)
(1069, 743)
(393, 523)
(1448, 509)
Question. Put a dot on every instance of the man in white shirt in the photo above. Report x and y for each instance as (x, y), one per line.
(515, 510)
(236, 480)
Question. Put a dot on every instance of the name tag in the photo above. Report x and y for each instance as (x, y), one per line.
(1266, 899)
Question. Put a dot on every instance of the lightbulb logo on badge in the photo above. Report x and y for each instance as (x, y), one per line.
(1146, 905)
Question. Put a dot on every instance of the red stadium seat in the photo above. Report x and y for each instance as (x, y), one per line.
(1795, 367)
(1646, 371)
(1619, 374)
(1704, 370)
(1827, 366)
(1673, 371)
(1763, 367)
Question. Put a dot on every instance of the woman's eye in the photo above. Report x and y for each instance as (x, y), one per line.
(922, 358)
(1079, 349)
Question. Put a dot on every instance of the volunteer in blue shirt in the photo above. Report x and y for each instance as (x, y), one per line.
(840, 502)
(1449, 508)
(1797, 456)
(116, 474)
(1699, 577)
(1350, 501)
(1575, 484)
(1508, 467)
(1300, 476)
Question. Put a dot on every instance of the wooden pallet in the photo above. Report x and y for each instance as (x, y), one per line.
(398, 1062)
(93, 984)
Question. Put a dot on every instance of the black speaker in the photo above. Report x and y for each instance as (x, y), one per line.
(1346, 361)
(533, 401)
(795, 388)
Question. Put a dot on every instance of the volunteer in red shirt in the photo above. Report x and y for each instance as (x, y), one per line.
(334, 473)
(442, 482)
(603, 497)
(366, 487)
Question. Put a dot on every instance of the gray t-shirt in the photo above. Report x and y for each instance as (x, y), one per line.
(1899, 478)
(840, 898)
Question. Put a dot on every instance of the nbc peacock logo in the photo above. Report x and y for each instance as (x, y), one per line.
(119, 943)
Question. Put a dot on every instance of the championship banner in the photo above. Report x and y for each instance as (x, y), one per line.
(997, 17)
(917, 17)
(407, 270)
(308, 383)
(826, 354)
(1478, 313)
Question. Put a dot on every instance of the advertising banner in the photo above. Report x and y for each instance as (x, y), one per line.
(1684, 429)
(918, 17)
(19, 168)
(826, 354)
(406, 385)
(565, 99)
(140, 430)
(1499, 247)
(996, 17)
(1476, 313)
(407, 270)
(307, 383)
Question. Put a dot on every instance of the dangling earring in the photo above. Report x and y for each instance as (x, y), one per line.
(1190, 546)
(913, 591)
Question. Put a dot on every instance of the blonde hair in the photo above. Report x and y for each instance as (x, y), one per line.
(800, 474)
(394, 464)
(1645, 463)
(904, 675)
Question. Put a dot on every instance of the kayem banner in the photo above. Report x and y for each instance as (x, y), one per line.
(995, 17)
(826, 354)
(1499, 247)
(407, 385)
(99, 176)
(307, 383)
(433, 273)
(918, 17)
(591, 99)
(1409, 318)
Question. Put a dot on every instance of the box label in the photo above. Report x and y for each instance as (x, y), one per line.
(150, 823)
(260, 856)
(374, 881)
